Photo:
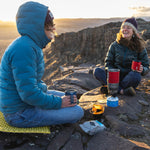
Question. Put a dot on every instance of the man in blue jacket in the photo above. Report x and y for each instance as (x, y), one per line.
(24, 98)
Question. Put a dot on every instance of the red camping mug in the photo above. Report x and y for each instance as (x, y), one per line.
(136, 65)
(113, 76)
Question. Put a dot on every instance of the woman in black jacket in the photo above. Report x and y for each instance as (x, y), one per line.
(128, 46)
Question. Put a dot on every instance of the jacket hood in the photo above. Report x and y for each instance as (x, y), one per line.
(30, 20)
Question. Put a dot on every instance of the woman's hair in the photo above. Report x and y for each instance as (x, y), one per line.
(136, 43)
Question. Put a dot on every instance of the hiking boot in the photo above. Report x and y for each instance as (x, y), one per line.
(103, 89)
(129, 91)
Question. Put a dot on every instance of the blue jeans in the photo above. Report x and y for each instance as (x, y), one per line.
(36, 117)
(133, 79)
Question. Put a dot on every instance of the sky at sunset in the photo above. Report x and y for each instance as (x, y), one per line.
(82, 8)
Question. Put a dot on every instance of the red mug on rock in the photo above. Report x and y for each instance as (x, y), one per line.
(136, 65)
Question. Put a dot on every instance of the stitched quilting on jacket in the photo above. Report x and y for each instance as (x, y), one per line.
(22, 65)
(119, 56)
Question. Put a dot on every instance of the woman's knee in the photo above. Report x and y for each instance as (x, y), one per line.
(97, 71)
(100, 75)
(136, 76)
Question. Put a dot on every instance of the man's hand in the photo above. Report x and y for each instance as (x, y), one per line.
(66, 101)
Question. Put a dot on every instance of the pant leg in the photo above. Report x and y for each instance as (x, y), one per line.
(100, 75)
(36, 117)
(133, 79)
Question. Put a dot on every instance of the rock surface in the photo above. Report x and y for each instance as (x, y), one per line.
(86, 46)
(127, 126)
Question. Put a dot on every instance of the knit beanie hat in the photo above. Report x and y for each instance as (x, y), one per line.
(130, 22)
(49, 17)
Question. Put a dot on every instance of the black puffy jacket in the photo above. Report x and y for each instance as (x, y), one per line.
(119, 56)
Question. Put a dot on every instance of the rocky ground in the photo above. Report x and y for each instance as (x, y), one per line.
(127, 126)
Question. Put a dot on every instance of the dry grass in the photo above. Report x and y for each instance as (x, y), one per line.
(8, 34)
(3, 46)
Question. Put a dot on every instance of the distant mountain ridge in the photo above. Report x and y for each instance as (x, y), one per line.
(75, 25)
(89, 45)
(64, 25)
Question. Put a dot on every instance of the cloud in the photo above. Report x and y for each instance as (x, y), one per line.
(141, 11)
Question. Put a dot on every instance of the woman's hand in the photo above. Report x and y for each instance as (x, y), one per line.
(140, 70)
(66, 101)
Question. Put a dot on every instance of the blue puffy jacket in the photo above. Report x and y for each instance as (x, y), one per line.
(22, 65)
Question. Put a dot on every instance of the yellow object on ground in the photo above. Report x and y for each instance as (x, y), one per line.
(98, 109)
(5, 127)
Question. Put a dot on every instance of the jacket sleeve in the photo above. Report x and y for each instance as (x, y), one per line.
(43, 86)
(109, 60)
(145, 61)
(24, 68)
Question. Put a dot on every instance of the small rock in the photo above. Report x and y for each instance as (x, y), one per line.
(143, 102)
(61, 139)
(74, 143)
(123, 117)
